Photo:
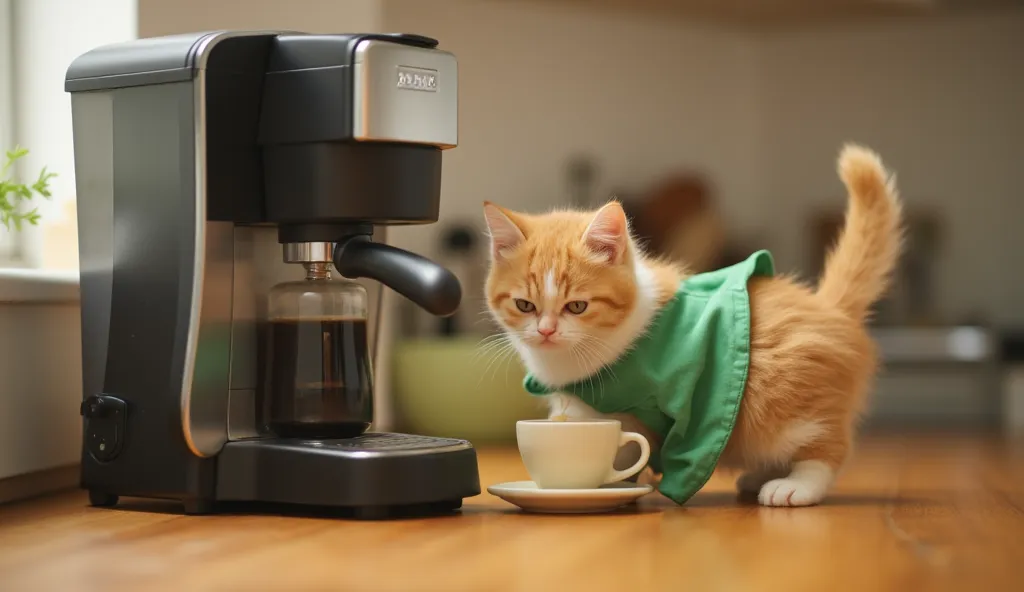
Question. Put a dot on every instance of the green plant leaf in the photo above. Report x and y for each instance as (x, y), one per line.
(13, 192)
(32, 217)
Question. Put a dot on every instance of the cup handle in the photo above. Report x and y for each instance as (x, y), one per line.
(645, 455)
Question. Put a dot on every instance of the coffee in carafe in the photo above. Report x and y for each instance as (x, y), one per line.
(319, 382)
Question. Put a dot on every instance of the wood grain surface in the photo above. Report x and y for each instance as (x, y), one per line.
(910, 513)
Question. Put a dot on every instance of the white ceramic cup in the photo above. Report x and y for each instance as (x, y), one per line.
(576, 454)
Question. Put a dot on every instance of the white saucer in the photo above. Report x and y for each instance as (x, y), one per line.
(531, 498)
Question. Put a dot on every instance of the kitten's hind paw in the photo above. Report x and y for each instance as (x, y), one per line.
(806, 485)
(790, 492)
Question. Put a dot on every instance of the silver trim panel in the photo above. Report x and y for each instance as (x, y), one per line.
(204, 426)
(257, 268)
(385, 109)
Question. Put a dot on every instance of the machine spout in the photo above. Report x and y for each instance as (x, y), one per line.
(419, 279)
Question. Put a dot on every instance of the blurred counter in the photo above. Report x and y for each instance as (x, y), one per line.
(937, 376)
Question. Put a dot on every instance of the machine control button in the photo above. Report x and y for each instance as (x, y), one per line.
(105, 421)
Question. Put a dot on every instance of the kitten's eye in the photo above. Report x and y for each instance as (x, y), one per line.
(576, 307)
(525, 305)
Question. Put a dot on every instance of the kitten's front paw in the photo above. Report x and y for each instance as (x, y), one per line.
(790, 492)
(649, 477)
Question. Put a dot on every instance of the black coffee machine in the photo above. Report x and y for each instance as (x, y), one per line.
(220, 176)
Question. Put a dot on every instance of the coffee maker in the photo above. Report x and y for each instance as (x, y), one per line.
(225, 180)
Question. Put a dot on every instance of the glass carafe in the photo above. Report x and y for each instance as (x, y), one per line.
(319, 370)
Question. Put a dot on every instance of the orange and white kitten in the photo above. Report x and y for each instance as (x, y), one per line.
(812, 360)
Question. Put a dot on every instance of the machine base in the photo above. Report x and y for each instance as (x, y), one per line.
(372, 476)
(193, 507)
(368, 513)
(101, 499)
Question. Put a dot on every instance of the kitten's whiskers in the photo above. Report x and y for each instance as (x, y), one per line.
(593, 359)
(496, 349)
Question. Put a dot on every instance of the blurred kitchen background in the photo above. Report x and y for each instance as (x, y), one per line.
(717, 121)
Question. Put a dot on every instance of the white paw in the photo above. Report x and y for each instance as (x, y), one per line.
(790, 492)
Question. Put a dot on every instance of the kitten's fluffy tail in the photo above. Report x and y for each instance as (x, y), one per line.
(858, 269)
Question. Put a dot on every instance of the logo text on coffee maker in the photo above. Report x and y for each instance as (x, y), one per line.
(417, 79)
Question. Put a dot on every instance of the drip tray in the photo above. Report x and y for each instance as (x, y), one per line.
(373, 473)
(386, 443)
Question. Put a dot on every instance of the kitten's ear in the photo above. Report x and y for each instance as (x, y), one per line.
(505, 233)
(608, 233)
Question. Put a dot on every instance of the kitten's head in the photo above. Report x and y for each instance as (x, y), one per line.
(561, 280)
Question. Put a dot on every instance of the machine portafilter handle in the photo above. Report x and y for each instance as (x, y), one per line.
(419, 279)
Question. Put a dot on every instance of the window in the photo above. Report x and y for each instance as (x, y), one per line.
(8, 241)
(38, 40)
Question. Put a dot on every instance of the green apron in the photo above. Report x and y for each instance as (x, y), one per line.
(684, 379)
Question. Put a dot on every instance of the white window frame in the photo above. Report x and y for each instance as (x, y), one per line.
(11, 243)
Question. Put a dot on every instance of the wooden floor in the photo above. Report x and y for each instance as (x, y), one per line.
(911, 513)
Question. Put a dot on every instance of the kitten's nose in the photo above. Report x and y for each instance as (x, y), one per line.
(546, 331)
